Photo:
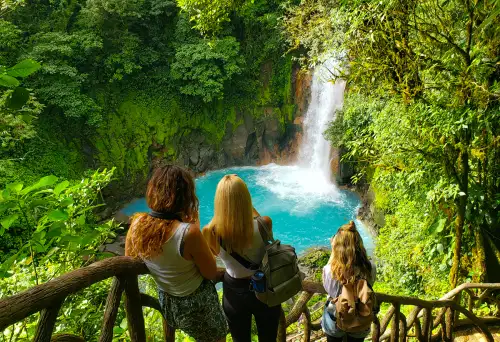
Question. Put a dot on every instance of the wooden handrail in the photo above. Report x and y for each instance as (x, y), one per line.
(47, 298)
(15, 308)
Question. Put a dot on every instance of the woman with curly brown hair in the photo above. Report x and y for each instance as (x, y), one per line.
(348, 263)
(169, 241)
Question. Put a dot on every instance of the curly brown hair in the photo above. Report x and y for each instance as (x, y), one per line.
(171, 189)
(349, 259)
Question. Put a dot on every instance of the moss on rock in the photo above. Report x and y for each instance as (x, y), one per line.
(313, 261)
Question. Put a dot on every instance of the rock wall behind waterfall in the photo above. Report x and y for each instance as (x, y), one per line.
(260, 136)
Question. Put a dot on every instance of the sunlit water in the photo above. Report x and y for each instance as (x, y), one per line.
(305, 207)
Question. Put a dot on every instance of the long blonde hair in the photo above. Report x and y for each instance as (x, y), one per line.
(171, 189)
(233, 214)
(349, 259)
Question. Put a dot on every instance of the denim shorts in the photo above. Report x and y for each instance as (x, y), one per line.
(330, 326)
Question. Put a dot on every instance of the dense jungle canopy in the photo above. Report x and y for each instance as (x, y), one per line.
(92, 90)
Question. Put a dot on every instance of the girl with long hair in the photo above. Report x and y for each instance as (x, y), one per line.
(169, 241)
(348, 263)
(234, 236)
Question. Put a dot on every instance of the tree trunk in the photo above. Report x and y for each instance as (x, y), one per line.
(480, 257)
(459, 227)
(461, 204)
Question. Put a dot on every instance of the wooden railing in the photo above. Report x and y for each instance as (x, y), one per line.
(426, 321)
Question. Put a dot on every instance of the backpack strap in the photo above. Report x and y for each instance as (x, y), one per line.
(244, 262)
(181, 245)
(265, 232)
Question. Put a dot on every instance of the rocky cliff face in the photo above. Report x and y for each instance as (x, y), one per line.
(342, 171)
(259, 137)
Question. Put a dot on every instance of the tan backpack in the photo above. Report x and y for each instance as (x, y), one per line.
(355, 307)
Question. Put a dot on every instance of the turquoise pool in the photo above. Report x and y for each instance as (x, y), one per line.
(306, 209)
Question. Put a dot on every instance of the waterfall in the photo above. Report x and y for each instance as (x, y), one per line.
(326, 98)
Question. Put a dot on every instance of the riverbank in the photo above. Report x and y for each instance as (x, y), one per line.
(371, 218)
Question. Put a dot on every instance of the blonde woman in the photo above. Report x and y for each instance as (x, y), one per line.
(234, 236)
(348, 262)
(169, 241)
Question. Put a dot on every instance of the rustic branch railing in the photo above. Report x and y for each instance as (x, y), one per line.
(394, 325)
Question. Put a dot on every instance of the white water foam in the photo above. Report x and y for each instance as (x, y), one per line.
(326, 99)
(295, 182)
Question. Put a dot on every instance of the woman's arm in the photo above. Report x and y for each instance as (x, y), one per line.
(267, 220)
(208, 233)
(196, 249)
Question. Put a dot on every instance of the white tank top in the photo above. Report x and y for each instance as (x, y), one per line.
(254, 253)
(172, 273)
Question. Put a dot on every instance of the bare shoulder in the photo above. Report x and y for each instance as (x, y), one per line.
(269, 223)
(193, 232)
(208, 229)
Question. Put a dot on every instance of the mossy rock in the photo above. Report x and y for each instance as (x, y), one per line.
(312, 262)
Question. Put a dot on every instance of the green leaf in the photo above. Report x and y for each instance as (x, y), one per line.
(55, 229)
(88, 238)
(40, 202)
(67, 202)
(6, 194)
(58, 215)
(8, 81)
(49, 254)
(9, 220)
(71, 238)
(8, 263)
(6, 206)
(24, 68)
(123, 324)
(43, 182)
(60, 187)
(440, 248)
(15, 187)
(118, 331)
(440, 226)
(18, 98)
(81, 219)
(437, 226)
(28, 118)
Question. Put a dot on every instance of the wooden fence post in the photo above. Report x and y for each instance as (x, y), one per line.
(403, 330)
(395, 323)
(449, 322)
(47, 321)
(375, 329)
(427, 324)
(133, 309)
(111, 310)
(168, 332)
(307, 325)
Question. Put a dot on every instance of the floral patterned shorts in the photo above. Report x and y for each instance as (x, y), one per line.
(199, 314)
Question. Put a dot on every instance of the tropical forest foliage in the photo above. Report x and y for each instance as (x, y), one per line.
(94, 92)
(421, 123)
